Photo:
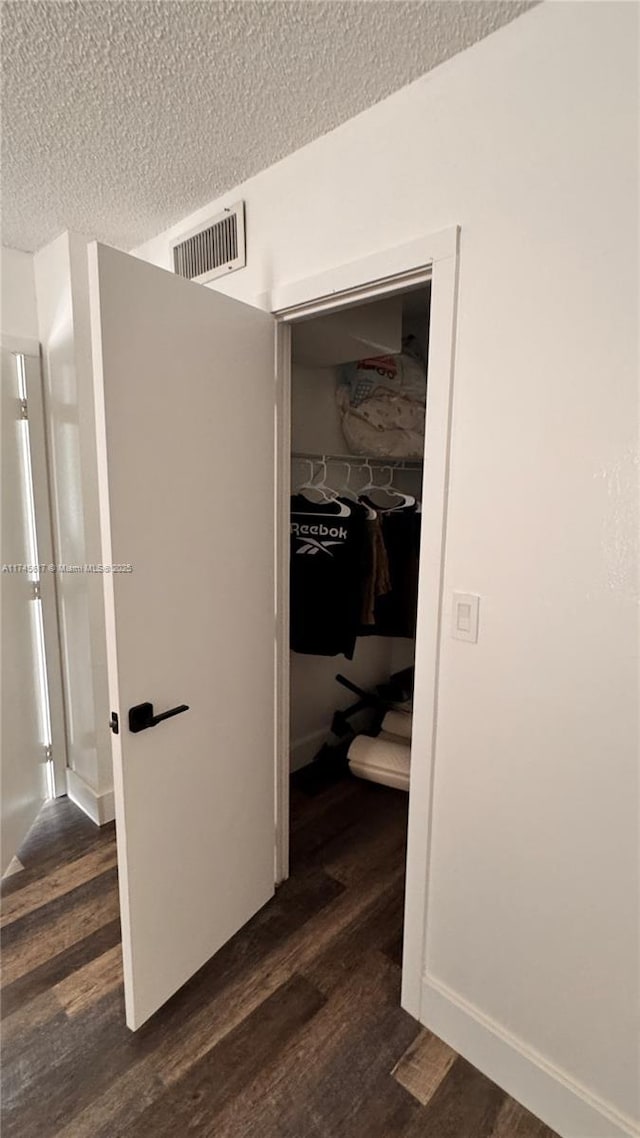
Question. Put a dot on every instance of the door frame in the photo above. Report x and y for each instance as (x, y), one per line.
(41, 475)
(432, 258)
(29, 350)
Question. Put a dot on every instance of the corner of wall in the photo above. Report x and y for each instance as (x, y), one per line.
(542, 1087)
(18, 310)
(98, 806)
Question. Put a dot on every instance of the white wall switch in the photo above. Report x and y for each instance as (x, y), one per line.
(465, 616)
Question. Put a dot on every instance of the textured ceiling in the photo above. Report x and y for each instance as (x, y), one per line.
(119, 117)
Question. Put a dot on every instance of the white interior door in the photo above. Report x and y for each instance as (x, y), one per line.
(25, 727)
(185, 408)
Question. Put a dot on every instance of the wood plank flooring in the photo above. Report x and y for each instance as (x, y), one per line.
(294, 1030)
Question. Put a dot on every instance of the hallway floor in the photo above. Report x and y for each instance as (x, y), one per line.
(294, 1030)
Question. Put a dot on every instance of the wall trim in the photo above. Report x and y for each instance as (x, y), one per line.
(100, 808)
(304, 748)
(301, 298)
(431, 257)
(546, 1090)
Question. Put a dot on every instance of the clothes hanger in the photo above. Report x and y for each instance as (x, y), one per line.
(310, 484)
(346, 491)
(398, 500)
(344, 488)
(370, 485)
(404, 500)
(332, 495)
(326, 494)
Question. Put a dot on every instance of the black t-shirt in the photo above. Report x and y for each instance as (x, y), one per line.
(329, 557)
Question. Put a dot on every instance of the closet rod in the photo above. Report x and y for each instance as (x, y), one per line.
(359, 460)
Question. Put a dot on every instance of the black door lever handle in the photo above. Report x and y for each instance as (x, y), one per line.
(141, 716)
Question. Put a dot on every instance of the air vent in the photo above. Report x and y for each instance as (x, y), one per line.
(214, 249)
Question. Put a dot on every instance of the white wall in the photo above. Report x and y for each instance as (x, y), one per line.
(63, 317)
(18, 315)
(315, 419)
(529, 142)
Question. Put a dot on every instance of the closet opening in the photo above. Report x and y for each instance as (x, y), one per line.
(358, 383)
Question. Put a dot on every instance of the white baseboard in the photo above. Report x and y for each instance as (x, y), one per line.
(548, 1092)
(100, 808)
(304, 749)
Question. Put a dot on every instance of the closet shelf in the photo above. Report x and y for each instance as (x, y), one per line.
(359, 460)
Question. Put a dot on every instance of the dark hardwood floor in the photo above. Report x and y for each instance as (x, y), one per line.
(294, 1030)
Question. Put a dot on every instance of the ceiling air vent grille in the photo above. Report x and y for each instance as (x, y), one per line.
(214, 249)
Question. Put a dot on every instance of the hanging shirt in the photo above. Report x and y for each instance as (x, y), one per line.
(329, 553)
(396, 610)
(377, 581)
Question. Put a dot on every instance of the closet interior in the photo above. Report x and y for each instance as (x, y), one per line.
(358, 398)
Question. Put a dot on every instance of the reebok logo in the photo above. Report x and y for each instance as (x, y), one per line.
(309, 536)
(312, 546)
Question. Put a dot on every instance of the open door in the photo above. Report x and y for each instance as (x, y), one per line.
(25, 727)
(185, 399)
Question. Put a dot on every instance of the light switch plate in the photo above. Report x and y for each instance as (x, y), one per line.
(466, 608)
